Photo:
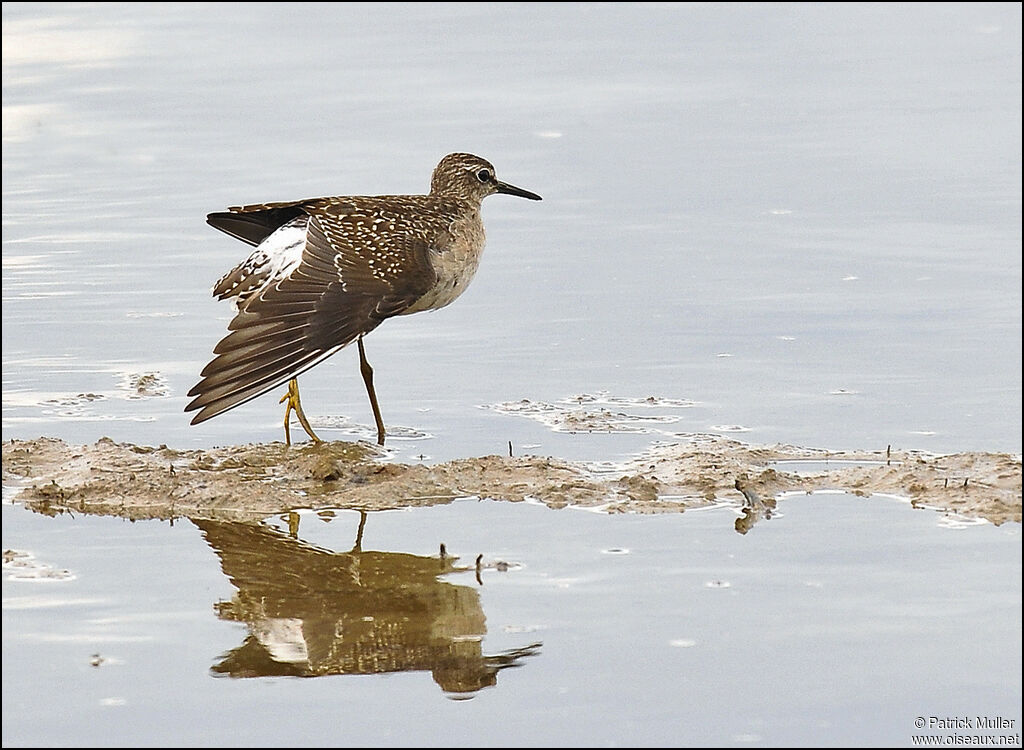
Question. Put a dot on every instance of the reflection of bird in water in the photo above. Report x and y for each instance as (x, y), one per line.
(754, 507)
(313, 612)
(327, 271)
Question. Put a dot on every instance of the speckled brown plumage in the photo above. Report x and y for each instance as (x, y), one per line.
(327, 271)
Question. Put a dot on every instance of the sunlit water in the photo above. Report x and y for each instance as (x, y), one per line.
(795, 224)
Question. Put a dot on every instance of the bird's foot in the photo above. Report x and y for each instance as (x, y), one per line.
(294, 404)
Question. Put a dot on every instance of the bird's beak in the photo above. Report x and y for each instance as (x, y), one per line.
(504, 187)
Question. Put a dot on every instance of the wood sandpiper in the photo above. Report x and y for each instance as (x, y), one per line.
(327, 271)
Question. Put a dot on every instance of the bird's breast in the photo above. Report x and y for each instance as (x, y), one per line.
(455, 262)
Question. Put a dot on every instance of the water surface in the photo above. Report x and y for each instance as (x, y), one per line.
(804, 219)
(603, 630)
(786, 223)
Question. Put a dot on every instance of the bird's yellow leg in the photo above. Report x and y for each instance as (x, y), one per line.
(292, 397)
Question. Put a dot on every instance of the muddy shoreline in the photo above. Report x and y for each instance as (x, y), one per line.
(249, 482)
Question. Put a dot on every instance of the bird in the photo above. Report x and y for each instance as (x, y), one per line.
(327, 271)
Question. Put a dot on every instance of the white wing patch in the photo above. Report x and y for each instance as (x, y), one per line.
(272, 261)
(283, 249)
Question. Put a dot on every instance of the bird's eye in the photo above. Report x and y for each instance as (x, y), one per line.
(484, 175)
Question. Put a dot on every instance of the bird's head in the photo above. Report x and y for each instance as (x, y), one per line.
(472, 178)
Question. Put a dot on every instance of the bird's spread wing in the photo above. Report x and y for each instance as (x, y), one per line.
(345, 285)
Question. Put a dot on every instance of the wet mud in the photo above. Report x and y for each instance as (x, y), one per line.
(249, 482)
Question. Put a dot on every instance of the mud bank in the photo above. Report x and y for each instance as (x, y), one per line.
(248, 482)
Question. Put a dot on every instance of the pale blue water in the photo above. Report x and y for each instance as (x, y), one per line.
(828, 195)
(805, 219)
(837, 622)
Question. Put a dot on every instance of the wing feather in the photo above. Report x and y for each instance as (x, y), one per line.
(335, 294)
